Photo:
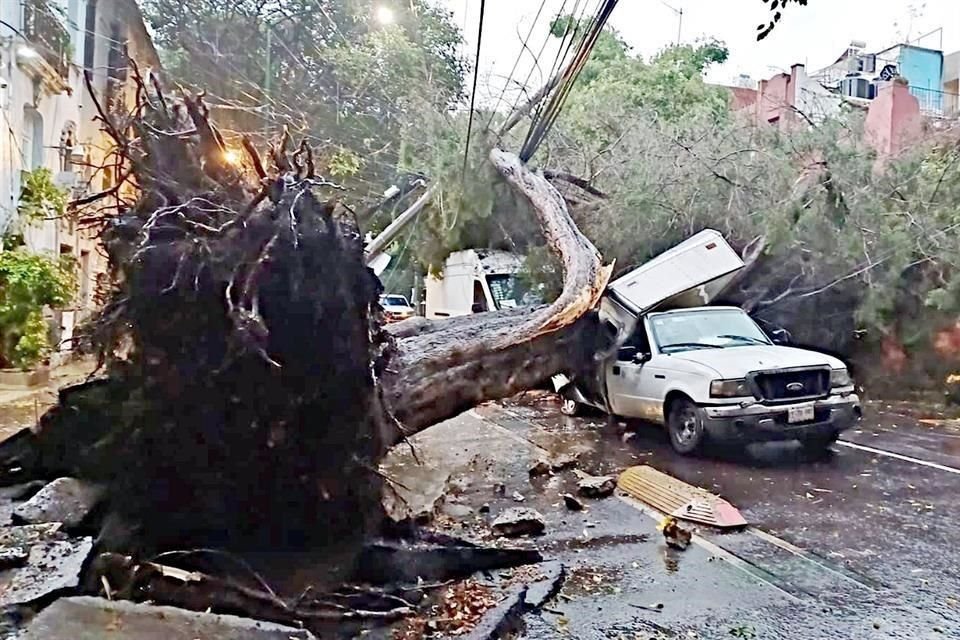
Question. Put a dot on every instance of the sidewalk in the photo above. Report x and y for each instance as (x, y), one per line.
(20, 407)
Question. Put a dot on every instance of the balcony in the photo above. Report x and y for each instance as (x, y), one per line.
(937, 104)
(45, 29)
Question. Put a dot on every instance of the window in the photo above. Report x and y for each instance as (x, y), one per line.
(32, 138)
(707, 329)
(90, 37)
(67, 143)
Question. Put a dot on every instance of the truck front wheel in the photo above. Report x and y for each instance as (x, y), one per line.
(685, 426)
(569, 406)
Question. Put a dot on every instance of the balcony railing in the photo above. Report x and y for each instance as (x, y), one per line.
(937, 104)
(44, 28)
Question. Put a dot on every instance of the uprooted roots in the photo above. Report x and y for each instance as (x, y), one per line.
(245, 408)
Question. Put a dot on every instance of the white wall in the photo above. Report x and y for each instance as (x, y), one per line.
(812, 98)
(56, 109)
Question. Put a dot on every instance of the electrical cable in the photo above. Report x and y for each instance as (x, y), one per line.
(473, 92)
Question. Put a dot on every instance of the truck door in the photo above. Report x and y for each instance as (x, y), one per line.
(625, 376)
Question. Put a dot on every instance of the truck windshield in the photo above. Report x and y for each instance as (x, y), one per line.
(508, 291)
(705, 329)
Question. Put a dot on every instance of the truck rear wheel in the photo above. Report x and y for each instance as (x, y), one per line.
(685, 426)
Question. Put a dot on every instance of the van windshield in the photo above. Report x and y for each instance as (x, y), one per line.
(705, 329)
(508, 291)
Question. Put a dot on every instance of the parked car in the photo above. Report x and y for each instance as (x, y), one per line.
(708, 373)
(395, 307)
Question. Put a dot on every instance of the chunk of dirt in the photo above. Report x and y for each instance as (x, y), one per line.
(540, 468)
(519, 521)
(573, 503)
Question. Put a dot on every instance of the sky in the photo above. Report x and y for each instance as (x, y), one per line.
(814, 35)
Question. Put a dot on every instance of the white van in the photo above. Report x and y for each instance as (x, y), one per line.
(708, 373)
(474, 281)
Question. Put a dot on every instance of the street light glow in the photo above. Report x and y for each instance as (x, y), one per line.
(385, 15)
(232, 156)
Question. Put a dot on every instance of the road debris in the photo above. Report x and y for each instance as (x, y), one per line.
(564, 461)
(675, 535)
(519, 521)
(517, 496)
(86, 617)
(540, 468)
(572, 502)
(596, 486)
(65, 500)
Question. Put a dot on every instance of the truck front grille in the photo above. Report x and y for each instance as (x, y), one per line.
(793, 384)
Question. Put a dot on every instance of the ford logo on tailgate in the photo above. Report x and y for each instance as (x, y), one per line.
(794, 387)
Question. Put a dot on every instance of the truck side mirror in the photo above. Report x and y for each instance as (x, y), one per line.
(640, 358)
(627, 354)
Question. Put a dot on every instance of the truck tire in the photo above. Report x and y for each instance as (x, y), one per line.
(569, 406)
(685, 427)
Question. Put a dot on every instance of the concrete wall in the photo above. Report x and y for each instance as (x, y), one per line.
(894, 121)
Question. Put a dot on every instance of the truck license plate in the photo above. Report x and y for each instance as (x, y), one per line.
(803, 413)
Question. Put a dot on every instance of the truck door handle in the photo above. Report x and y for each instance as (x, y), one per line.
(616, 371)
(659, 376)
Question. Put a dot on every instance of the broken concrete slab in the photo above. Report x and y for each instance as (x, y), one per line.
(10, 497)
(596, 486)
(519, 521)
(541, 591)
(11, 557)
(51, 567)
(87, 618)
(29, 534)
(66, 500)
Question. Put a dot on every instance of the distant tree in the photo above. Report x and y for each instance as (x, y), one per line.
(317, 67)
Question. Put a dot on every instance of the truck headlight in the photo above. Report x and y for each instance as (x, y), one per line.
(840, 378)
(730, 389)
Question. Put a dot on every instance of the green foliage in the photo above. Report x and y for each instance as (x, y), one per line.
(40, 198)
(327, 70)
(28, 283)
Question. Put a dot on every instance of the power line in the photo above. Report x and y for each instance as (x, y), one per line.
(473, 91)
(516, 62)
(545, 120)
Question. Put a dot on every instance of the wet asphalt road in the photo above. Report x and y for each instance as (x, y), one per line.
(857, 544)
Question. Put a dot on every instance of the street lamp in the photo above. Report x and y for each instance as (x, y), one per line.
(384, 15)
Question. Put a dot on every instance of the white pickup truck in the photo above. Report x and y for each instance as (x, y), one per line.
(708, 373)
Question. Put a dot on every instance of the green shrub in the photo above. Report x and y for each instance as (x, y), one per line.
(28, 283)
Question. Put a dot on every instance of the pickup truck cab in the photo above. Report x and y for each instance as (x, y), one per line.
(708, 373)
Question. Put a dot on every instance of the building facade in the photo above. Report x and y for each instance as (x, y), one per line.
(46, 46)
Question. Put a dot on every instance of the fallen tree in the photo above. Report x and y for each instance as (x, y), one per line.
(249, 387)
